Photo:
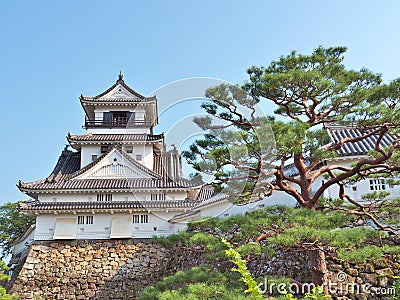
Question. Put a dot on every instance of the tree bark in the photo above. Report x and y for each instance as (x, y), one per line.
(319, 271)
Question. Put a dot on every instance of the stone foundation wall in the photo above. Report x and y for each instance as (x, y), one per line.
(90, 270)
(121, 269)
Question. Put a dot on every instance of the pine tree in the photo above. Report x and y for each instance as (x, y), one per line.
(308, 91)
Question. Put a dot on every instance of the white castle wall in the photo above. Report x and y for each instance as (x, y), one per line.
(102, 227)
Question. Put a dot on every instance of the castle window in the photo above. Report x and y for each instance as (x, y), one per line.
(104, 197)
(81, 220)
(136, 219)
(94, 157)
(157, 196)
(144, 219)
(138, 157)
(377, 185)
(104, 149)
(89, 219)
(354, 187)
(140, 219)
(129, 149)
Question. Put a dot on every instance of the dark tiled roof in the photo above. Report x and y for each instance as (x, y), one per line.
(108, 184)
(184, 215)
(337, 133)
(112, 138)
(206, 192)
(158, 164)
(67, 169)
(50, 206)
(68, 163)
(117, 100)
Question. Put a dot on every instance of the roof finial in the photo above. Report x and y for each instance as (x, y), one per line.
(120, 76)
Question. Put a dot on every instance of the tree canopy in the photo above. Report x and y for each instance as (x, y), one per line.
(310, 93)
(12, 225)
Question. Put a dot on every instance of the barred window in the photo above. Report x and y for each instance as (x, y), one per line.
(157, 196)
(81, 220)
(377, 185)
(144, 219)
(89, 219)
(104, 197)
(136, 219)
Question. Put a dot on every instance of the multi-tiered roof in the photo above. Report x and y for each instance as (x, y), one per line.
(115, 170)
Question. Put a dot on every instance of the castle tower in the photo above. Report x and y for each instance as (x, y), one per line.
(118, 181)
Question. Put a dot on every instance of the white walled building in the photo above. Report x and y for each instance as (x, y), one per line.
(119, 181)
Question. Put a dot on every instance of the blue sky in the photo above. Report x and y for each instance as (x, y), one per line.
(52, 51)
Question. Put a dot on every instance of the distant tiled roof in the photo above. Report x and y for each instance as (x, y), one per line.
(112, 138)
(51, 206)
(200, 204)
(206, 192)
(214, 199)
(182, 216)
(337, 133)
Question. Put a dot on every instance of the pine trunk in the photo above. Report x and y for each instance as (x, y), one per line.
(319, 271)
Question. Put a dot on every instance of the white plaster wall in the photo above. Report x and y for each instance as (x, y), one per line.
(92, 197)
(148, 156)
(86, 153)
(280, 198)
(146, 150)
(226, 209)
(18, 247)
(138, 130)
(102, 222)
(45, 225)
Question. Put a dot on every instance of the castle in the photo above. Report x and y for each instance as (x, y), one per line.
(119, 181)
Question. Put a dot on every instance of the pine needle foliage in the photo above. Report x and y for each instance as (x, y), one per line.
(196, 283)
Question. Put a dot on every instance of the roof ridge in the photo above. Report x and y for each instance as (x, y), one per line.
(120, 81)
(139, 165)
(88, 166)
